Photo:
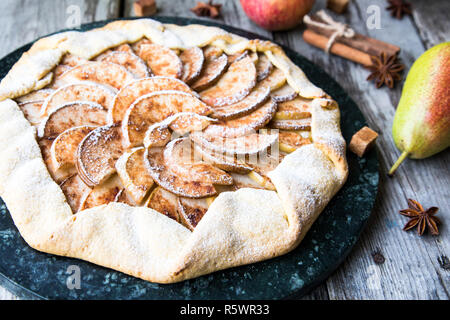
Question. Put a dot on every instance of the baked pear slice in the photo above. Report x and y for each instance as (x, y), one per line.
(37, 95)
(32, 111)
(191, 211)
(234, 85)
(263, 67)
(289, 141)
(180, 185)
(164, 202)
(298, 124)
(244, 125)
(255, 99)
(102, 194)
(127, 95)
(161, 60)
(213, 68)
(192, 59)
(75, 190)
(276, 79)
(134, 64)
(92, 92)
(64, 147)
(298, 108)
(133, 173)
(106, 73)
(253, 143)
(180, 158)
(97, 154)
(70, 115)
(155, 107)
(285, 93)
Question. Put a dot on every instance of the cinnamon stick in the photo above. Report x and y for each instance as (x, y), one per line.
(360, 42)
(337, 48)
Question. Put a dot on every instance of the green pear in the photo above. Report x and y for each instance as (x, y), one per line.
(422, 121)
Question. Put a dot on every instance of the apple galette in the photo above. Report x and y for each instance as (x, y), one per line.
(165, 151)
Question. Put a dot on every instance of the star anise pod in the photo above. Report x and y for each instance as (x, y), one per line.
(385, 70)
(209, 9)
(421, 218)
(399, 8)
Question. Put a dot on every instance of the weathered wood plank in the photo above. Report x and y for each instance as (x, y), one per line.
(231, 13)
(411, 270)
(432, 21)
(24, 21)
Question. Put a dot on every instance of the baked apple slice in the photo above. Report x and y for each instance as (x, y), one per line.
(285, 93)
(298, 108)
(192, 59)
(213, 68)
(289, 141)
(191, 211)
(70, 115)
(133, 173)
(164, 202)
(136, 47)
(32, 111)
(126, 96)
(263, 67)
(236, 56)
(135, 65)
(244, 125)
(212, 51)
(37, 95)
(72, 60)
(161, 60)
(97, 154)
(102, 194)
(253, 143)
(158, 134)
(222, 161)
(180, 185)
(298, 124)
(245, 181)
(234, 85)
(276, 79)
(185, 122)
(64, 147)
(92, 92)
(60, 174)
(106, 73)
(255, 99)
(75, 190)
(180, 158)
(155, 107)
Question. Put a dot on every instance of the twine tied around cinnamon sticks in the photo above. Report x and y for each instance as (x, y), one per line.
(339, 39)
(339, 29)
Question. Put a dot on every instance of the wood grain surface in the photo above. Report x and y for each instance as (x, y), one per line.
(413, 266)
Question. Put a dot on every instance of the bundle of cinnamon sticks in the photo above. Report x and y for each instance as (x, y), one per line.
(358, 48)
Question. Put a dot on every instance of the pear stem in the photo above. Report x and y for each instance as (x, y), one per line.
(398, 162)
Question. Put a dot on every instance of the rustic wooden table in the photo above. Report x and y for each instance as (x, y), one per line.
(415, 267)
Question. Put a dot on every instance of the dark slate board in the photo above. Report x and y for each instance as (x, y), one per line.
(32, 274)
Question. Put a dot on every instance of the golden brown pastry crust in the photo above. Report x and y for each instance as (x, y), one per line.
(240, 227)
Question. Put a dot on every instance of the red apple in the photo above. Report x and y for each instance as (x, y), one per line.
(277, 14)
